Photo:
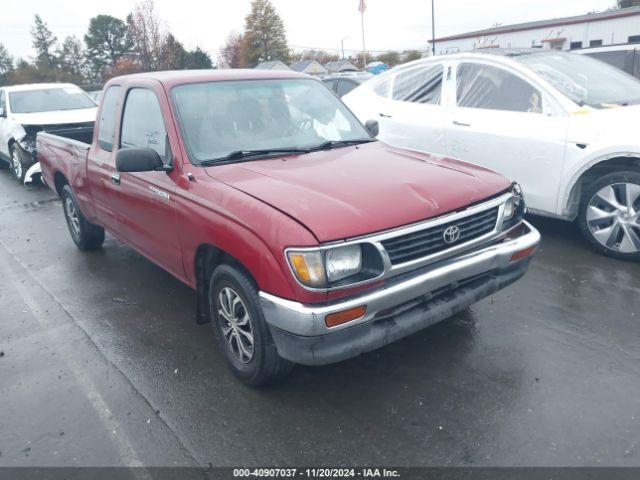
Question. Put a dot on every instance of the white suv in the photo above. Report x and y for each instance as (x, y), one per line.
(28, 109)
(564, 126)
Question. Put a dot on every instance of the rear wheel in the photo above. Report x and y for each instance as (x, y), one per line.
(240, 329)
(609, 215)
(85, 235)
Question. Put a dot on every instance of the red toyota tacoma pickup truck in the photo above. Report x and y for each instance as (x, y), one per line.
(307, 240)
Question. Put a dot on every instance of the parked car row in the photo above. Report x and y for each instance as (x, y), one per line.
(311, 237)
(564, 126)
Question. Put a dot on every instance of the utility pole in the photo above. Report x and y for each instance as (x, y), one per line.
(433, 27)
(342, 46)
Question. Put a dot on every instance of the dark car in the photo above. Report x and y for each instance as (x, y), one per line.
(343, 84)
(624, 57)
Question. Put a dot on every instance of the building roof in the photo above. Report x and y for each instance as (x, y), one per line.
(272, 65)
(340, 66)
(556, 22)
(302, 65)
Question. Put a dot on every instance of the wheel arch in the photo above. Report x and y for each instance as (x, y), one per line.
(590, 174)
(59, 181)
(207, 258)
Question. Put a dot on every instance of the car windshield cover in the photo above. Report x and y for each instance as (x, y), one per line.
(584, 80)
(49, 100)
(219, 118)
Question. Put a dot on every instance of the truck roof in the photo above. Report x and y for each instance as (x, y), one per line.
(179, 77)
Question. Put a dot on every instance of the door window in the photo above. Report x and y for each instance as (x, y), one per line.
(381, 88)
(492, 88)
(331, 84)
(419, 85)
(345, 86)
(108, 112)
(142, 123)
(3, 102)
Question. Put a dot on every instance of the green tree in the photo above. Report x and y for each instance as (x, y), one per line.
(628, 3)
(173, 56)
(389, 58)
(198, 59)
(265, 37)
(107, 40)
(6, 64)
(72, 60)
(44, 42)
(411, 55)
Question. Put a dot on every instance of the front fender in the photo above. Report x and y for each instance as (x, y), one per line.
(567, 197)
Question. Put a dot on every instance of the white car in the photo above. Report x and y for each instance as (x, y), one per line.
(28, 109)
(564, 126)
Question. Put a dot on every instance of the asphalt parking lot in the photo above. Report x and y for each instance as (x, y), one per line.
(102, 363)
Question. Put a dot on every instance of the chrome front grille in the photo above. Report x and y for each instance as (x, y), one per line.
(423, 243)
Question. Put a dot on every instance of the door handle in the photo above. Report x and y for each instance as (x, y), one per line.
(384, 115)
(115, 178)
(460, 124)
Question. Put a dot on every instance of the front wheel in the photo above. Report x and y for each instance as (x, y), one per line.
(240, 329)
(609, 216)
(85, 235)
(17, 166)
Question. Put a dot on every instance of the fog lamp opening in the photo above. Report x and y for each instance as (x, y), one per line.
(338, 318)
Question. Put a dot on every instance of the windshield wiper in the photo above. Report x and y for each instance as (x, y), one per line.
(340, 143)
(239, 155)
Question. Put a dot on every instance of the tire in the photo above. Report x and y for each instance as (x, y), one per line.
(262, 364)
(85, 235)
(609, 215)
(17, 166)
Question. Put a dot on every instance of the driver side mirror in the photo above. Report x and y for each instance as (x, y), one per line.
(373, 127)
(140, 160)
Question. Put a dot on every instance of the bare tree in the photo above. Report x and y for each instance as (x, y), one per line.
(147, 34)
(231, 53)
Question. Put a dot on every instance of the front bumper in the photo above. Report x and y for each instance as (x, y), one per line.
(404, 305)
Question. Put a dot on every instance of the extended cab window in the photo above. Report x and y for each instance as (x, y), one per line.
(142, 123)
(492, 88)
(419, 85)
(108, 112)
(3, 102)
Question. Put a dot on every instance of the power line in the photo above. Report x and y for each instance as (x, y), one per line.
(338, 50)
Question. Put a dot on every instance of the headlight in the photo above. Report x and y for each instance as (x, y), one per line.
(343, 262)
(514, 208)
(335, 267)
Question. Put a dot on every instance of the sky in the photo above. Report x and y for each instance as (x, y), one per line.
(320, 24)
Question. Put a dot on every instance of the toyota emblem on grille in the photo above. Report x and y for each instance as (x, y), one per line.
(451, 234)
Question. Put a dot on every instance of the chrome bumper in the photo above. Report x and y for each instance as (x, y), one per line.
(301, 335)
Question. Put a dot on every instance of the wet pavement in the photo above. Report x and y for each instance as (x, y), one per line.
(102, 363)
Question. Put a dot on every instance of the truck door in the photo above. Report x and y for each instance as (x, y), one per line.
(101, 165)
(144, 201)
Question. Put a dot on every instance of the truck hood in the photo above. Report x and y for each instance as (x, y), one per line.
(354, 191)
(59, 117)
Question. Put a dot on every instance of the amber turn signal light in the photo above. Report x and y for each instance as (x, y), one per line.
(522, 253)
(335, 319)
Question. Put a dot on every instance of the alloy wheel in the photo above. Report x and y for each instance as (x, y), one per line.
(16, 164)
(235, 323)
(73, 218)
(613, 217)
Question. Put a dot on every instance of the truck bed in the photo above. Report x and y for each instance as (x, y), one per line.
(64, 151)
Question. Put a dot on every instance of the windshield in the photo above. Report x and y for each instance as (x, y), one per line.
(585, 80)
(218, 118)
(49, 100)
